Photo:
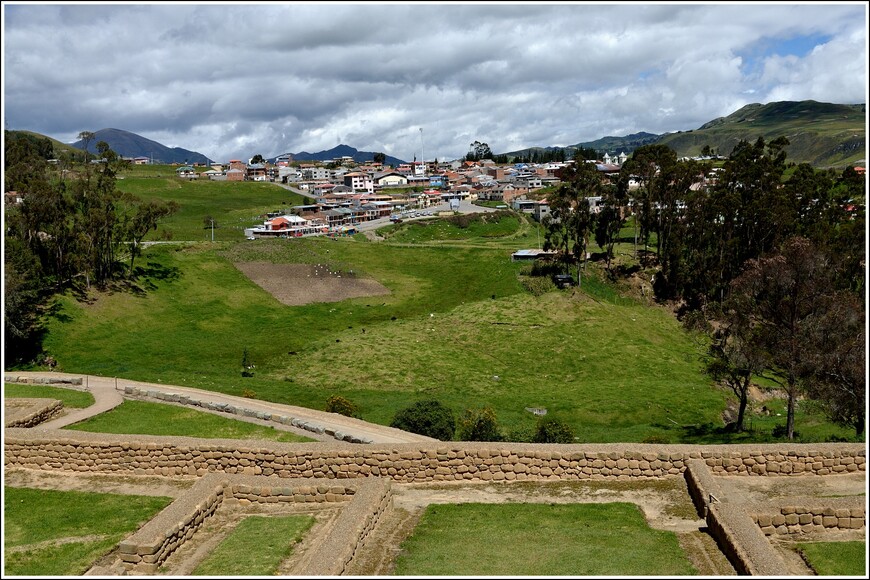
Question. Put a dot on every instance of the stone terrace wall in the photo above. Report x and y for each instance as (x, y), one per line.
(352, 527)
(62, 450)
(741, 530)
(365, 500)
(21, 412)
(71, 382)
(808, 515)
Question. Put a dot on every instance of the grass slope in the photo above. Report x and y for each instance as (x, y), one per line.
(233, 205)
(456, 326)
(822, 134)
(617, 372)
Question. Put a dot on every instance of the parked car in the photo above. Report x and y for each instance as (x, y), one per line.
(563, 280)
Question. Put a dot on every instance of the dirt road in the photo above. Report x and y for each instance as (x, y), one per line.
(108, 393)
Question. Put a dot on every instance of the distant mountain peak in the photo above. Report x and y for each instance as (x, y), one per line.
(127, 144)
(343, 150)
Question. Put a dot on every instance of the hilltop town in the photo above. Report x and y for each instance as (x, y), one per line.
(344, 193)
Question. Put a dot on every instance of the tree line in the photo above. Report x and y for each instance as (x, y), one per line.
(766, 256)
(72, 230)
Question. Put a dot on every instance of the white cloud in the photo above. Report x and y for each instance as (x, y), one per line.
(233, 80)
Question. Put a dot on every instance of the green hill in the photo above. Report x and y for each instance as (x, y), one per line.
(822, 134)
(58, 146)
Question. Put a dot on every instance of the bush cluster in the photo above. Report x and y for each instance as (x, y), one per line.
(537, 286)
(342, 406)
(430, 418)
(479, 425)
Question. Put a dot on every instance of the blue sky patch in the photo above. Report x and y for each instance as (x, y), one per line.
(765, 47)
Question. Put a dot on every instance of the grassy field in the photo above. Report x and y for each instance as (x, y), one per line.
(256, 547)
(62, 533)
(144, 418)
(233, 205)
(457, 326)
(540, 540)
(835, 558)
(70, 397)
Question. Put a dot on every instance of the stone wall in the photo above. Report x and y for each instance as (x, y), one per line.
(61, 450)
(810, 515)
(364, 500)
(743, 542)
(26, 413)
(352, 527)
(70, 382)
(741, 530)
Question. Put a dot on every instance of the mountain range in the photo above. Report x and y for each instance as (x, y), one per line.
(822, 134)
(128, 144)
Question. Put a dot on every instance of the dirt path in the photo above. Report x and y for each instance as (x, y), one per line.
(107, 395)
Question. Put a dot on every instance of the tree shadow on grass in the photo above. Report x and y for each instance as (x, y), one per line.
(710, 433)
(144, 277)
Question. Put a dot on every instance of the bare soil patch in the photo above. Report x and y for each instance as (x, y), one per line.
(300, 284)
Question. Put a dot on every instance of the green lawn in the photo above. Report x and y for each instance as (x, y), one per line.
(233, 205)
(256, 547)
(145, 418)
(71, 398)
(457, 326)
(539, 540)
(835, 558)
(62, 533)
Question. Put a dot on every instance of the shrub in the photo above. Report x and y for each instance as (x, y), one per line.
(429, 418)
(781, 431)
(537, 286)
(695, 321)
(522, 435)
(479, 425)
(249, 394)
(246, 364)
(342, 406)
(552, 430)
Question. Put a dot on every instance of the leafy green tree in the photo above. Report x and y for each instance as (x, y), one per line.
(429, 417)
(607, 227)
(380, 158)
(552, 430)
(733, 358)
(86, 137)
(834, 368)
(145, 219)
(22, 300)
(570, 222)
(779, 294)
(257, 159)
(648, 166)
(478, 151)
(586, 153)
(478, 425)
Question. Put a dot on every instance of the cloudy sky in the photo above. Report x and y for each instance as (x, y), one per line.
(409, 79)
